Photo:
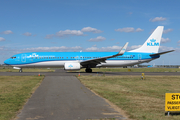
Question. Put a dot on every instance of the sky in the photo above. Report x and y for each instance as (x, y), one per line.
(87, 25)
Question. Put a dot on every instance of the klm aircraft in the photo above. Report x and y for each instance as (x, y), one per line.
(77, 60)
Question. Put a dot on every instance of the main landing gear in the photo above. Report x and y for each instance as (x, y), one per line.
(20, 70)
(88, 70)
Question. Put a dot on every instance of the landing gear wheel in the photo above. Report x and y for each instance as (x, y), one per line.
(20, 70)
(88, 70)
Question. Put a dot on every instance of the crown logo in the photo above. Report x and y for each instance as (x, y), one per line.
(70, 65)
(153, 40)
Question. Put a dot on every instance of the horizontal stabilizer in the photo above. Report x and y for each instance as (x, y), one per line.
(161, 53)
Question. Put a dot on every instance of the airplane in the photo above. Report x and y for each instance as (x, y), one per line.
(77, 60)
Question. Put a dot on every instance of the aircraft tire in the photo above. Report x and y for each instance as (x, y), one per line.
(20, 70)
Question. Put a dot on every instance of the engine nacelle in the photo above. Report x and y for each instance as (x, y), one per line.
(72, 66)
(17, 68)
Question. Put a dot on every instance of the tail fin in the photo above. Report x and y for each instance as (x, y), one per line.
(152, 43)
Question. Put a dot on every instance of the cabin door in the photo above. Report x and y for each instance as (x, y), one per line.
(23, 58)
(139, 57)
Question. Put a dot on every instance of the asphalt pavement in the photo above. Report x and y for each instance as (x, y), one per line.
(61, 72)
(65, 98)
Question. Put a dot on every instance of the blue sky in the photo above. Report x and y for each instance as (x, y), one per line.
(87, 25)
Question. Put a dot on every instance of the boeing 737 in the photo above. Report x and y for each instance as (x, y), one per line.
(77, 60)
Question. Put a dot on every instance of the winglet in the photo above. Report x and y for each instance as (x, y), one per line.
(123, 49)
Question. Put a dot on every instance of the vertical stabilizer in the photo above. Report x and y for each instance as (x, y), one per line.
(152, 43)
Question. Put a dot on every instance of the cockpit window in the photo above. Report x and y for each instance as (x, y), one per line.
(13, 57)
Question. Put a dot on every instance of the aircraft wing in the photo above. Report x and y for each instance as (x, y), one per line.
(161, 53)
(103, 59)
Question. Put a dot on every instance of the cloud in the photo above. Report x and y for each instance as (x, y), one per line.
(53, 49)
(139, 30)
(7, 32)
(2, 39)
(69, 33)
(92, 49)
(129, 29)
(165, 40)
(133, 47)
(2, 47)
(165, 48)
(104, 49)
(27, 34)
(90, 29)
(117, 48)
(49, 36)
(156, 19)
(99, 38)
(168, 30)
(111, 48)
(178, 43)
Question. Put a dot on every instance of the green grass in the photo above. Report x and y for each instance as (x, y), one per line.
(140, 99)
(28, 70)
(14, 92)
(134, 70)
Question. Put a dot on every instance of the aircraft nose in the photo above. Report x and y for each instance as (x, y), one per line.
(6, 62)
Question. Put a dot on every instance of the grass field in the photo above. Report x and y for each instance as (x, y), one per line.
(134, 70)
(27, 70)
(140, 99)
(14, 92)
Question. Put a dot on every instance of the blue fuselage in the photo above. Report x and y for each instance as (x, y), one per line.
(57, 59)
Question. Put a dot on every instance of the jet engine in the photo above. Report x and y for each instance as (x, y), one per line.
(72, 66)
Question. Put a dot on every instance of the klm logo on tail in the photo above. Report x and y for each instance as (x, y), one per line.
(152, 43)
